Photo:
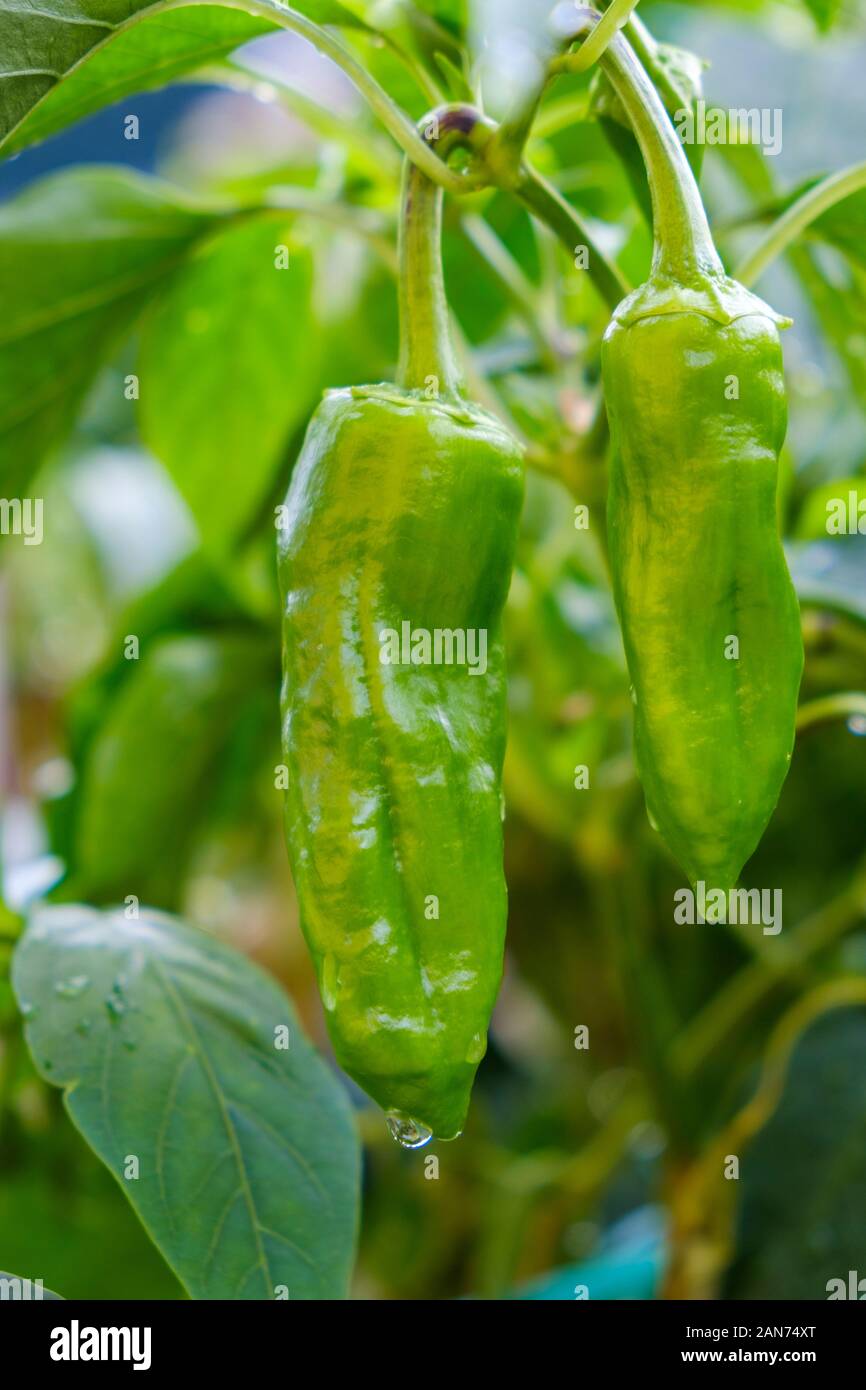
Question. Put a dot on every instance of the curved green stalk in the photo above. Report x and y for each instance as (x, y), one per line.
(393, 118)
(745, 991)
(683, 249)
(426, 350)
(646, 51)
(549, 205)
(845, 993)
(531, 188)
(539, 196)
(850, 704)
(614, 18)
(642, 41)
(798, 217)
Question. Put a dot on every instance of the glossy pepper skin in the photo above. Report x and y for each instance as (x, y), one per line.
(696, 400)
(401, 510)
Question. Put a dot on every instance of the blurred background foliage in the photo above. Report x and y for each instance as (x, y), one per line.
(599, 1166)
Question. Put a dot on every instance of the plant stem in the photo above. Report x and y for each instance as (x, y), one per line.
(393, 118)
(506, 148)
(845, 993)
(642, 41)
(518, 287)
(798, 217)
(646, 51)
(426, 350)
(531, 188)
(845, 705)
(549, 205)
(740, 995)
(615, 16)
(683, 250)
(702, 1215)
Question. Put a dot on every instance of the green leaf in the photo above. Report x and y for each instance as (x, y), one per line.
(15, 1286)
(163, 1040)
(228, 368)
(145, 782)
(829, 574)
(79, 254)
(149, 54)
(803, 1180)
(69, 58)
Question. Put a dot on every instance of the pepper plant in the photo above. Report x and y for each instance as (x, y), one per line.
(542, 657)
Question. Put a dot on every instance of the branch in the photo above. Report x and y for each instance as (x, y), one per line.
(797, 218)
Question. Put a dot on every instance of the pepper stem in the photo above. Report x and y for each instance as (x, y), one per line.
(427, 359)
(683, 249)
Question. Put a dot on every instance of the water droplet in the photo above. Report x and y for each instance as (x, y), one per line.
(632, 694)
(409, 1134)
(857, 725)
(652, 820)
(329, 983)
(477, 1048)
(28, 1010)
(71, 988)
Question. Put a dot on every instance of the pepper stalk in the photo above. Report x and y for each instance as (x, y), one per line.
(683, 248)
(427, 356)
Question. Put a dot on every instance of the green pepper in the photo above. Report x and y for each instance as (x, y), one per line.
(400, 524)
(694, 387)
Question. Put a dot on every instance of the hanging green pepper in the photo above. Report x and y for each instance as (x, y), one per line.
(395, 556)
(694, 387)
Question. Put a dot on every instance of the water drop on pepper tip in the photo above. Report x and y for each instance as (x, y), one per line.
(408, 1133)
